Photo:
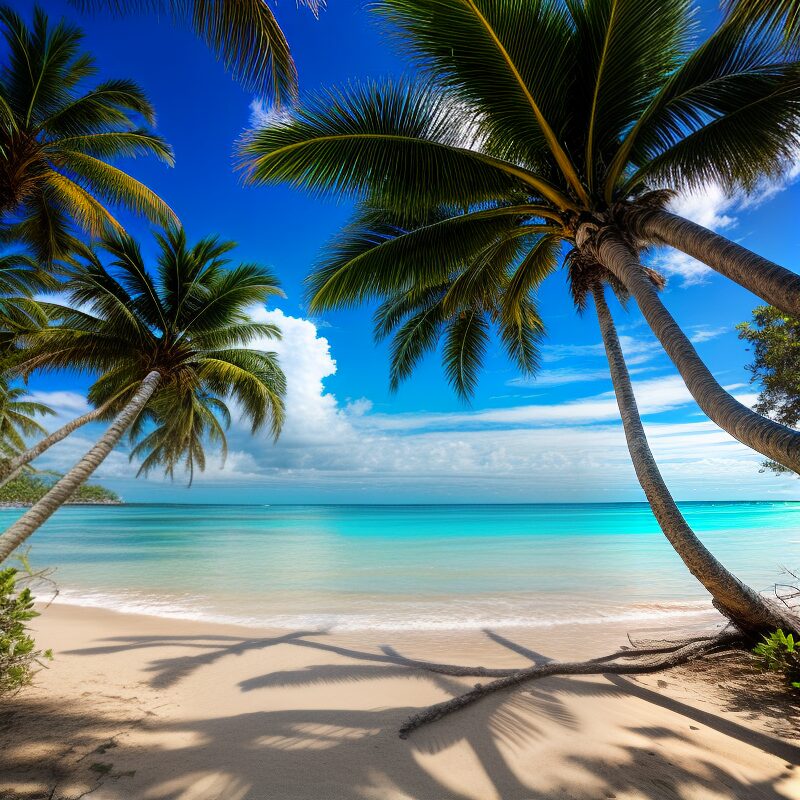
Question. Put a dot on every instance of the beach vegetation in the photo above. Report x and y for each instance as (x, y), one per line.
(19, 656)
(538, 134)
(28, 488)
(774, 338)
(170, 346)
(780, 652)
(59, 135)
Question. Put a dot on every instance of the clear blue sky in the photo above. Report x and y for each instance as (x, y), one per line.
(349, 439)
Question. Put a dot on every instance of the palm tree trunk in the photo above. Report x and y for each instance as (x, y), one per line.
(769, 438)
(14, 466)
(14, 536)
(745, 607)
(776, 285)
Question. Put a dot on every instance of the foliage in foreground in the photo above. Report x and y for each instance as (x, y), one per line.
(779, 652)
(27, 489)
(775, 341)
(18, 654)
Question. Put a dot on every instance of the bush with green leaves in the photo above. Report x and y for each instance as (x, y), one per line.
(779, 652)
(18, 654)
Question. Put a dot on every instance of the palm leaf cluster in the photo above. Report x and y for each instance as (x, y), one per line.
(243, 34)
(776, 15)
(189, 320)
(529, 119)
(59, 137)
(18, 421)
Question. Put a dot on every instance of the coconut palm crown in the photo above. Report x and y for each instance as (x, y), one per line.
(188, 322)
(538, 123)
(59, 138)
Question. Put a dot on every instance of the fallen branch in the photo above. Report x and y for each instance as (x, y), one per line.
(635, 662)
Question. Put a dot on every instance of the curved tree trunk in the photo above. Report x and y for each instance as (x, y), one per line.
(776, 285)
(15, 535)
(746, 608)
(769, 438)
(12, 468)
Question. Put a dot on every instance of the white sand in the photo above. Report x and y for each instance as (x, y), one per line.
(141, 707)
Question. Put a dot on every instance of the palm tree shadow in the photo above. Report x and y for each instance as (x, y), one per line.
(169, 671)
(272, 747)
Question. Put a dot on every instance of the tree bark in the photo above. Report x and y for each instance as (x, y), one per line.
(771, 439)
(772, 283)
(13, 467)
(746, 608)
(41, 511)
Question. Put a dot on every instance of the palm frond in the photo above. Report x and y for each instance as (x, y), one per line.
(465, 343)
(244, 35)
(408, 146)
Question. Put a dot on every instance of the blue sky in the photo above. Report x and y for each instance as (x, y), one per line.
(348, 439)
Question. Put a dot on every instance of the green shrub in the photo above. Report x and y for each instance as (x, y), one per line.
(18, 654)
(779, 652)
(29, 488)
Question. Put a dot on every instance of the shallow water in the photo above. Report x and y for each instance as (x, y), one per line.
(404, 567)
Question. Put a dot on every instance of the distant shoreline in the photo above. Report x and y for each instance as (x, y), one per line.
(14, 504)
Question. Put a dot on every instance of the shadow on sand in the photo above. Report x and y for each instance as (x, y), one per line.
(68, 752)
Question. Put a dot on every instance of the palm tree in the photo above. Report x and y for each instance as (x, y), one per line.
(495, 289)
(18, 418)
(58, 139)
(243, 34)
(540, 123)
(158, 341)
(747, 609)
(546, 117)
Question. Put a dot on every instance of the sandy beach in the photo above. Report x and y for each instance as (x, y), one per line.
(143, 707)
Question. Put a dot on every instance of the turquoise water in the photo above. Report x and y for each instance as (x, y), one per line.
(403, 567)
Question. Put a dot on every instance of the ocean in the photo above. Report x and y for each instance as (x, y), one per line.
(409, 567)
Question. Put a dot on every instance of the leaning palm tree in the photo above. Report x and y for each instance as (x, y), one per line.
(495, 289)
(418, 320)
(58, 138)
(207, 257)
(156, 340)
(552, 117)
(541, 123)
(244, 34)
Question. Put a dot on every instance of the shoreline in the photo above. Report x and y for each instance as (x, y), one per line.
(12, 504)
(687, 617)
(152, 708)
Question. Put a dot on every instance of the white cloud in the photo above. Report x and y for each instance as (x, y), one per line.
(560, 377)
(705, 333)
(263, 114)
(65, 404)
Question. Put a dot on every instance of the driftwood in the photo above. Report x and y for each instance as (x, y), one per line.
(649, 657)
